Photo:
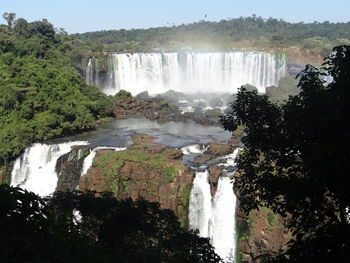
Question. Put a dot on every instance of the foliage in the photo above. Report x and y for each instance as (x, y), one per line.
(186, 193)
(295, 160)
(249, 87)
(41, 94)
(213, 113)
(91, 227)
(239, 131)
(216, 102)
(123, 94)
(170, 172)
(287, 86)
(243, 32)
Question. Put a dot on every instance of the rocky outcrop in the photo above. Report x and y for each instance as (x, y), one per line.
(68, 168)
(5, 173)
(219, 149)
(156, 109)
(214, 174)
(260, 233)
(135, 108)
(146, 170)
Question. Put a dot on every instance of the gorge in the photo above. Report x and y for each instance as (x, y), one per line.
(198, 188)
(43, 175)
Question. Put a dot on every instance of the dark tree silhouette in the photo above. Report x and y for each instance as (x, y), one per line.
(295, 160)
(10, 18)
(93, 227)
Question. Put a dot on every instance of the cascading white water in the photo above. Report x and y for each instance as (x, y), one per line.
(215, 217)
(200, 204)
(191, 72)
(222, 223)
(35, 169)
(92, 72)
(195, 148)
(89, 159)
(231, 158)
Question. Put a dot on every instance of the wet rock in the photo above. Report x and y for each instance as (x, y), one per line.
(214, 174)
(219, 149)
(68, 168)
(203, 159)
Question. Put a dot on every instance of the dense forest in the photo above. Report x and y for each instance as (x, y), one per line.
(42, 95)
(314, 39)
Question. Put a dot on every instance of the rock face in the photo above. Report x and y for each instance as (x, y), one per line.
(69, 167)
(5, 173)
(260, 233)
(2, 175)
(214, 174)
(146, 170)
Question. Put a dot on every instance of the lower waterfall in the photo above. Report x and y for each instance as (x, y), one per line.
(200, 204)
(222, 222)
(35, 169)
(214, 217)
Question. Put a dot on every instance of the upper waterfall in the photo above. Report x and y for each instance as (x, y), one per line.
(188, 72)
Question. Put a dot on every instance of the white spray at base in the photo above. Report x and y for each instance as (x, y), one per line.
(195, 148)
(215, 217)
(89, 159)
(35, 169)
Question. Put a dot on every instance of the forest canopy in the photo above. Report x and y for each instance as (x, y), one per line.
(42, 95)
(252, 32)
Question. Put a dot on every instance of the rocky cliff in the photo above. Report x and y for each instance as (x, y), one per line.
(146, 170)
(260, 233)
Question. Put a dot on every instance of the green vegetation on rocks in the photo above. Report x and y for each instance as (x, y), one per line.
(146, 170)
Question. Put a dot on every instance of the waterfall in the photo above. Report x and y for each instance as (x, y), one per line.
(191, 72)
(88, 159)
(215, 217)
(92, 72)
(195, 148)
(200, 204)
(222, 223)
(35, 169)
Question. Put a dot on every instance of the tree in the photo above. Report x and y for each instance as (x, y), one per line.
(295, 160)
(93, 227)
(10, 18)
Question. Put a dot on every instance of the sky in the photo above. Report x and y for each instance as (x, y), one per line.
(78, 16)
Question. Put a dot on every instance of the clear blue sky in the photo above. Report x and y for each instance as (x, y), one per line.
(86, 15)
